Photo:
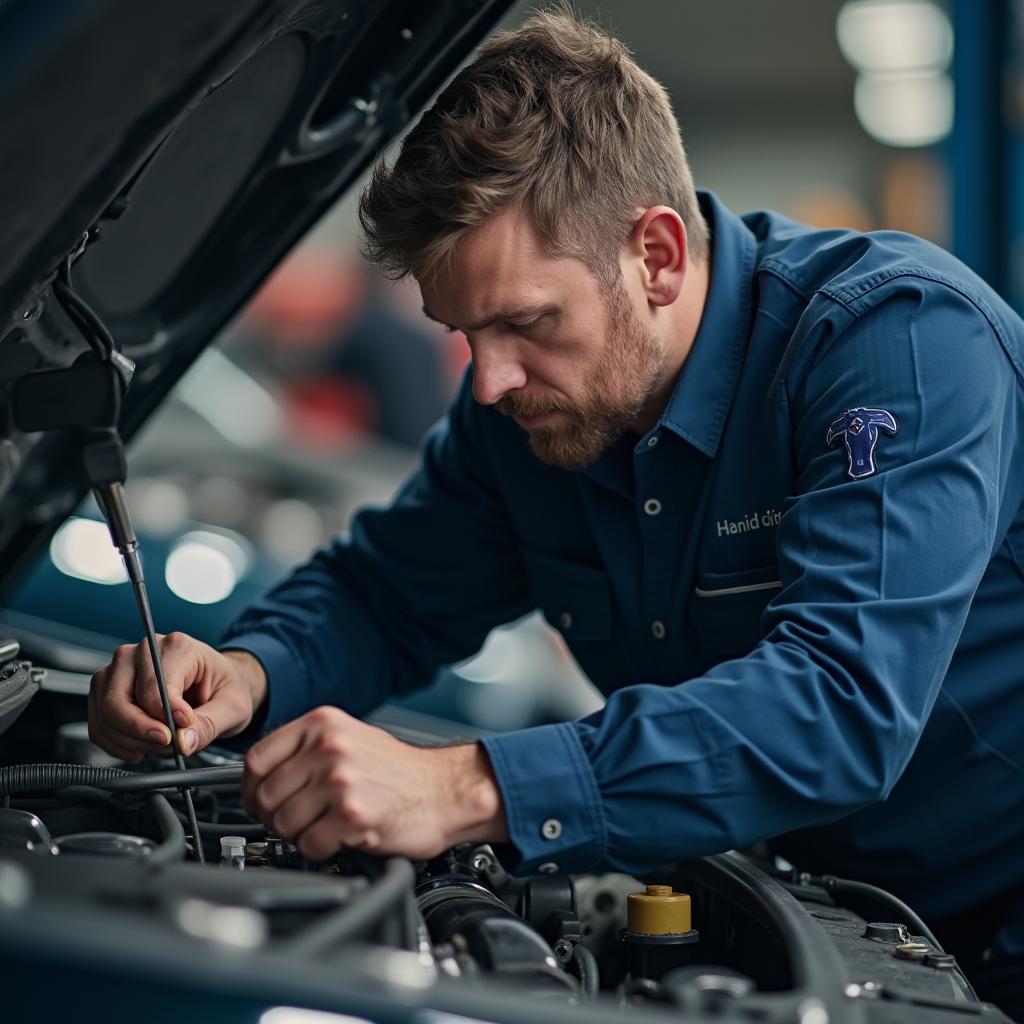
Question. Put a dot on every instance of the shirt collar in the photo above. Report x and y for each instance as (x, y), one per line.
(704, 392)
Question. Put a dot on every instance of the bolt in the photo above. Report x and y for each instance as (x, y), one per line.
(911, 951)
(563, 951)
(482, 863)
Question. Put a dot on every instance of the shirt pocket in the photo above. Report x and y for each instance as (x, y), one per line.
(575, 599)
(726, 608)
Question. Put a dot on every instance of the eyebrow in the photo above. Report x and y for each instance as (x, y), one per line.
(508, 315)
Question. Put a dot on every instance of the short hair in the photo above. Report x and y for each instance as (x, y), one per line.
(555, 118)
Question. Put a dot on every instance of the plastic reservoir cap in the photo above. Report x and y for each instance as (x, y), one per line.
(659, 911)
(232, 851)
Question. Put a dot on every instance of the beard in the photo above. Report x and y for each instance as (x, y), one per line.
(626, 372)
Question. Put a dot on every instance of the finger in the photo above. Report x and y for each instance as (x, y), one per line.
(279, 746)
(296, 815)
(223, 713)
(113, 691)
(119, 743)
(125, 748)
(327, 835)
(181, 666)
(281, 785)
(108, 740)
(128, 748)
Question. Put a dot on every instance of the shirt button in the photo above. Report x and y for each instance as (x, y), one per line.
(658, 629)
(551, 829)
(548, 868)
(652, 506)
(565, 620)
(652, 440)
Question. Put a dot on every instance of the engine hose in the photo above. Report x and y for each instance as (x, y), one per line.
(43, 778)
(172, 847)
(144, 782)
(586, 969)
(847, 886)
(383, 897)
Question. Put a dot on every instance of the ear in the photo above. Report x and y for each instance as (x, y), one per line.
(659, 239)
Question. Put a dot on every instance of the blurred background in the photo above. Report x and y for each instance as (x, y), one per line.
(899, 114)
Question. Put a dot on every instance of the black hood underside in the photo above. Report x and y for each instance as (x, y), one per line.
(196, 140)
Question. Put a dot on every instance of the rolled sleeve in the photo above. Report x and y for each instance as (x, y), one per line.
(553, 806)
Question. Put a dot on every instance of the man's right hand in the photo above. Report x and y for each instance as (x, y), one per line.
(212, 693)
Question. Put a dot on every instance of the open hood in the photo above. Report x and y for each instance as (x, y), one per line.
(189, 143)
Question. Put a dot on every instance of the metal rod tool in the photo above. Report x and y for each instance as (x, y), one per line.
(114, 506)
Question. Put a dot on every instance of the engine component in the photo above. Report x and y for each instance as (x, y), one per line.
(659, 932)
(22, 830)
(232, 852)
(548, 905)
(705, 990)
(19, 683)
(44, 778)
(455, 906)
(107, 844)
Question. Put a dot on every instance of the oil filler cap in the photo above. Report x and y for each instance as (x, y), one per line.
(659, 911)
(885, 931)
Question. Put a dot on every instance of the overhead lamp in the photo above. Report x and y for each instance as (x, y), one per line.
(894, 35)
(205, 567)
(905, 110)
(901, 50)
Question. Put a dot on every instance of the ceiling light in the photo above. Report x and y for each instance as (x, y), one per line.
(205, 567)
(894, 35)
(82, 548)
(905, 110)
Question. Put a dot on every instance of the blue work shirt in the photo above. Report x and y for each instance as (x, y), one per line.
(802, 591)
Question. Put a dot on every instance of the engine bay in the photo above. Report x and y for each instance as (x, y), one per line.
(98, 873)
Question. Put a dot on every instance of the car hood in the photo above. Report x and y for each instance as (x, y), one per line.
(192, 142)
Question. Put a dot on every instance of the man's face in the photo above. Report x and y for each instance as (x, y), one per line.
(569, 358)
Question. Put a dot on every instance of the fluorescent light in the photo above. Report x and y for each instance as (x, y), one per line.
(905, 110)
(205, 567)
(894, 35)
(82, 548)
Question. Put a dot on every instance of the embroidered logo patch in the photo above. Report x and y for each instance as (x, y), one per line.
(858, 429)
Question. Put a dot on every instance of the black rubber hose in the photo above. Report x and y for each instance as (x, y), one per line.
(144, 782)
(354, 920)
(44, 778)
(172, 848)
(587, 970)
(837, 886)
(251, 833)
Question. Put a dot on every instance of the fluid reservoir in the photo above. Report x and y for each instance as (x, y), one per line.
(659, 934)
(232, 852)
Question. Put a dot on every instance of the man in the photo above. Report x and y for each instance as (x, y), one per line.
(765, 480)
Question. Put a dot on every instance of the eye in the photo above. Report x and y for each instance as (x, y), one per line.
(527, 326)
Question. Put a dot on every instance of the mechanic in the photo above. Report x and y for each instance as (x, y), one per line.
(765, 480)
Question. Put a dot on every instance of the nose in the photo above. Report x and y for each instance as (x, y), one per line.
(496, 372)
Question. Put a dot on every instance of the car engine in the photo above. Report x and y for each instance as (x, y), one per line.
(100, 883)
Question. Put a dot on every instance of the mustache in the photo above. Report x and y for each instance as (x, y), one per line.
(531, 405)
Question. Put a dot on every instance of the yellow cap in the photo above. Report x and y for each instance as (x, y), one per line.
(658, 911)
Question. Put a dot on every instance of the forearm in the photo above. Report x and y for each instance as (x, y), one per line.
(253, 674)
(469, 800)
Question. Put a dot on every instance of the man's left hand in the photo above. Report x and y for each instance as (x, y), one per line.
(328, 781)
